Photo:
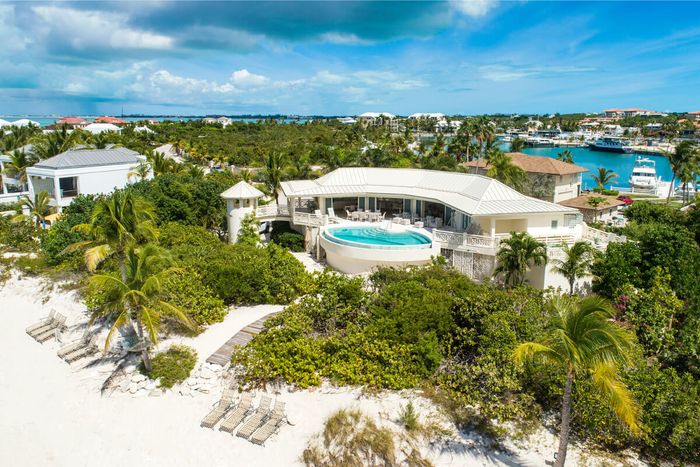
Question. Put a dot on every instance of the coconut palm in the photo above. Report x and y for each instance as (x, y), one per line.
(56, 142)
(484, 134)
(517, 145)
(159, 163)
(516, 254)
(584, 343)
(17, 165)
(38, 208)
(273, 173)
(681, 161)
(576, 262)
(299, 168)
(116, 222)
(566, 156)
(141, 171)
(137, 300)
(604, 177)
(501, 168)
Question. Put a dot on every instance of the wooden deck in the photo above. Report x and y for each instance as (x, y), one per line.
(241, 338)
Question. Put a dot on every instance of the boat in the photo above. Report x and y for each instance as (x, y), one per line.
(644, 174)
(539, 142)
(609, 144)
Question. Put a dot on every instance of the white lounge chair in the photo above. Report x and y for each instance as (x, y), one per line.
(237, 415)
(82, 352)
(256, 419)
(75, 345)
(50, 331)
(271, 425)
(36, 328)
(219, 409)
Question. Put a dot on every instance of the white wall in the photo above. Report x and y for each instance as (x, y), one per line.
(566, 187)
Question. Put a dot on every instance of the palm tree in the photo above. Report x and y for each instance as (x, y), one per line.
(137, 300)
(501, 168)
(141, 171)
(604, 177)
(273, 173)
(680, 160)
(576, 263)
(517, 145)
(116, 222)
(56, 142)
(566, 156)
(17, 165)
(159, 162)
(584, 342)
(594, 202)
(515, 256)
(299, 168)
(38, 209)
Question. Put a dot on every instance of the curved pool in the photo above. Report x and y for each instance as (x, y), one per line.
(376, 237)
(362, 248)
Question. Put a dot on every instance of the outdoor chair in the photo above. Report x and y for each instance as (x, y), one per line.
(219, 409)
(271, 425)
(237, 415)
(75, 345)
(82, 352)
(50, 331)
(36, 328)
(256, 419)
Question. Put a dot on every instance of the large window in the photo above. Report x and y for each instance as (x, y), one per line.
(390, 206)
(69, 186)
(341, 205)
(434, 209)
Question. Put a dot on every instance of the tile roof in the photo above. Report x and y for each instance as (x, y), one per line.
(469, 193)
(535, 164)
(90, 158)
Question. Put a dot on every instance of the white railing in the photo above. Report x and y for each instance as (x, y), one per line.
(271, 210)
(454, 240)
(306, 218)
(600, 237)
(268, 211)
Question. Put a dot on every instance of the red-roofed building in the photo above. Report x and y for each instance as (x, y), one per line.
(74, 122)
(112, 120)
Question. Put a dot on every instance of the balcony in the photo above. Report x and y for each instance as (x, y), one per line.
(488, 245)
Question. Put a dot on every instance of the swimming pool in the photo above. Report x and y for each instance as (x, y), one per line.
(377, 237)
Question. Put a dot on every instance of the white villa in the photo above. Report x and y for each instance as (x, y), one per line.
(379, 119)
(82, 171)
(464, 216)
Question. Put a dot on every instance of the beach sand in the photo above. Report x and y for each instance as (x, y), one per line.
(52, 413)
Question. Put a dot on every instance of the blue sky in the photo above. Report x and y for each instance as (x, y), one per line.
(336, 58)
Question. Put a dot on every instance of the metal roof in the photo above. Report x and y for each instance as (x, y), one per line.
(473, 194)
(90, 158)
(242, 190)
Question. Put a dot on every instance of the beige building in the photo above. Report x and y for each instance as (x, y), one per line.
(548, 179)
(604, 212)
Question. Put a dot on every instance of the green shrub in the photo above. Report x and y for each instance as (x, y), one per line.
(61, 233)
(185, 290)
(292, 241)
(605, 191)
(173, 366)
(173, 235)
(17, 235)
(408, 417)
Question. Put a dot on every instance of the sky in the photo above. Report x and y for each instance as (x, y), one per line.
(345, 58)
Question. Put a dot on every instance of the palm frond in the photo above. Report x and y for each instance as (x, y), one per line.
(535, 352)
(95, 255)
(605, 378)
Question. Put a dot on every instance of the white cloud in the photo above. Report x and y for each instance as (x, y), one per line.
(512, 73)
(473, 8)
(244, 78)
(85, 30)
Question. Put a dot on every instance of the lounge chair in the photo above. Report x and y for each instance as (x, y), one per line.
(219, 409)
(75, 345)
(236, 416)
(36, 328)
(82, 352)
(51, 330)
(271, 425)
(256, 419)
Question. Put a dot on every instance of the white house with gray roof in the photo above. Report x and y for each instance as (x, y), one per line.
(82, 171)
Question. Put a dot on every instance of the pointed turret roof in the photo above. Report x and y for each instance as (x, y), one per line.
(242, 190)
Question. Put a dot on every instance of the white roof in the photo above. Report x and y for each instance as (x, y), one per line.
(24, 122)
(427, 115)
(96, 128)
(376, 115)
(143, 129)
(242, 190)
(75, 158)
(475, 195)
(3, 122)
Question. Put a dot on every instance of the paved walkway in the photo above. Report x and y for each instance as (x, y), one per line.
(308, 261)
(241, 338)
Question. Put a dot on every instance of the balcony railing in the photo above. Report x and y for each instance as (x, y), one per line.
(600, 238)
(454, 240)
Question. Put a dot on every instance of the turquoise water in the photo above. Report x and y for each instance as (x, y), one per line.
(621, 164)
(377, 236)
(46, 121)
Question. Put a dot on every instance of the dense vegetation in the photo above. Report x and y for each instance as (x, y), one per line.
(173, 366)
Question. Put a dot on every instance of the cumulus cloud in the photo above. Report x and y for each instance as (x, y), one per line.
(243, 78)
(474, 8)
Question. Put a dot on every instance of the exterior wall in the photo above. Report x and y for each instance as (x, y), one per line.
(603, 215)
(566, 187)
(237, 210)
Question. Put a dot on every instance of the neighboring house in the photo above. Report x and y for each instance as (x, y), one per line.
(379, 119)
(626, 113)
(466, 215)
(73, 122)
(604, 212)
(96, 128)
(83, 171)
(112, 120)
(347, 120)
(11, 189)
(548, 179)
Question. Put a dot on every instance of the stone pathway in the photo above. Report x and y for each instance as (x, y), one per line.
(223, 355)
(308, 261)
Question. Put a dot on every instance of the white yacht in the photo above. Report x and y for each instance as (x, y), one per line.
(610, 144)
(644, 174)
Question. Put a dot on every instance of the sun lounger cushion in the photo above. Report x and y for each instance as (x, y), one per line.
(236, 416)
(256, 419)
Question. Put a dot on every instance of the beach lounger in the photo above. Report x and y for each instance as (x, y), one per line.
(219, 410)
(58, 324)
(36, 328)
(82, 352)
(75, 345)
(236, 416)
(271, 425)
(256, 419)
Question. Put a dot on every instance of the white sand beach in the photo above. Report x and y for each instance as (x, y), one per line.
(52, 413)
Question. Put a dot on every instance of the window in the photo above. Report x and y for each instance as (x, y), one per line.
(419, 208)
(68, 186)
(571, 220)
(361, 203)
(372, 204)
(407, 205)
(466, 220)
(555, 224)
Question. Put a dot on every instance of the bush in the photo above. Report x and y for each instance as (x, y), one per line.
(292, 241)
(185, 290)
(61, 233)
(173, 366)
(408, 417)
(605, 191)
(17, 235)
